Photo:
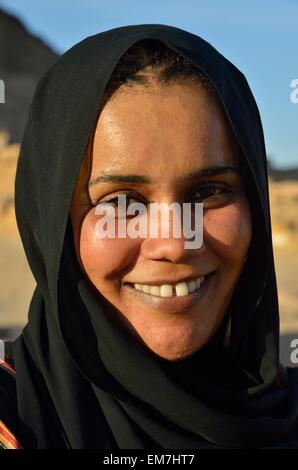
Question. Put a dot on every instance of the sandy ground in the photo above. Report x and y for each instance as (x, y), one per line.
(17, 283)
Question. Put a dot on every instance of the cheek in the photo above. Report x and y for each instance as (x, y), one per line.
(103, 257)
(227, 230)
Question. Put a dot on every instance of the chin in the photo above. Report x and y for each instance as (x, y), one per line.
(173, 351)
(173, 356)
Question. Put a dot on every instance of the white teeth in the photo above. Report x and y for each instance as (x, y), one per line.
(191, 286)
(181, 289)
(138, 286)
(146, 289)
(155, 290)
(167, 290)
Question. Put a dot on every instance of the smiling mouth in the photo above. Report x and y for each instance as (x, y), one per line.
(180, 289)
(174, 304)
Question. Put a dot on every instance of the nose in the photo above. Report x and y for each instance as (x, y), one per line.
(173, 241)
(171, 249)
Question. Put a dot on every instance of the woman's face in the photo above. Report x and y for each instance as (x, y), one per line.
(166, 135)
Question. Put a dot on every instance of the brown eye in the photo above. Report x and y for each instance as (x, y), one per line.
(130, 201)
(115, 201)
(206, 192)
(212, 196)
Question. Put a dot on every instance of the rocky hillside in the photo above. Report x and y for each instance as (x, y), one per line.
(23, 60)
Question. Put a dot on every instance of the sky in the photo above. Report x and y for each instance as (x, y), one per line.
(259, 37)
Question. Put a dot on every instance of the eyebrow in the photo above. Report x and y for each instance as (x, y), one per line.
(141, 179)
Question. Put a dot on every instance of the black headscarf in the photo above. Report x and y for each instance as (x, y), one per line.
(81, 380)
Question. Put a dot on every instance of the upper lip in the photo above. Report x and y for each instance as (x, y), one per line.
(173, 280)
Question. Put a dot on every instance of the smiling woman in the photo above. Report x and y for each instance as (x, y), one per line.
(174, 127)
(141, 342)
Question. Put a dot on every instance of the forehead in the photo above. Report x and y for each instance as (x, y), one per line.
(177, 127)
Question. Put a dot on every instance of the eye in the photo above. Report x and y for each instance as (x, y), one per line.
(212, 194)
(131, 199)
(115, 200)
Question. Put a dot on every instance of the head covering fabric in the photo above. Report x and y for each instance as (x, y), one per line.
(83, 381)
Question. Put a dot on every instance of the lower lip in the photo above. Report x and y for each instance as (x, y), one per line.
(174, 303)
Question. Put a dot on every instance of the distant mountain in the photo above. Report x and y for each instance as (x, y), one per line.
(280, 174)
(23, 60)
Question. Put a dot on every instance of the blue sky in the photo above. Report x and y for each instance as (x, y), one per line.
(260, 38)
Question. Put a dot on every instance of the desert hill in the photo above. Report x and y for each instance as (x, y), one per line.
(23, 60)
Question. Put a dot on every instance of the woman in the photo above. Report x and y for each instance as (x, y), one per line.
(110, 356)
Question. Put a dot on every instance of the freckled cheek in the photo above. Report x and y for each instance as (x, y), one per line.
(103, 256)
(227, 230)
